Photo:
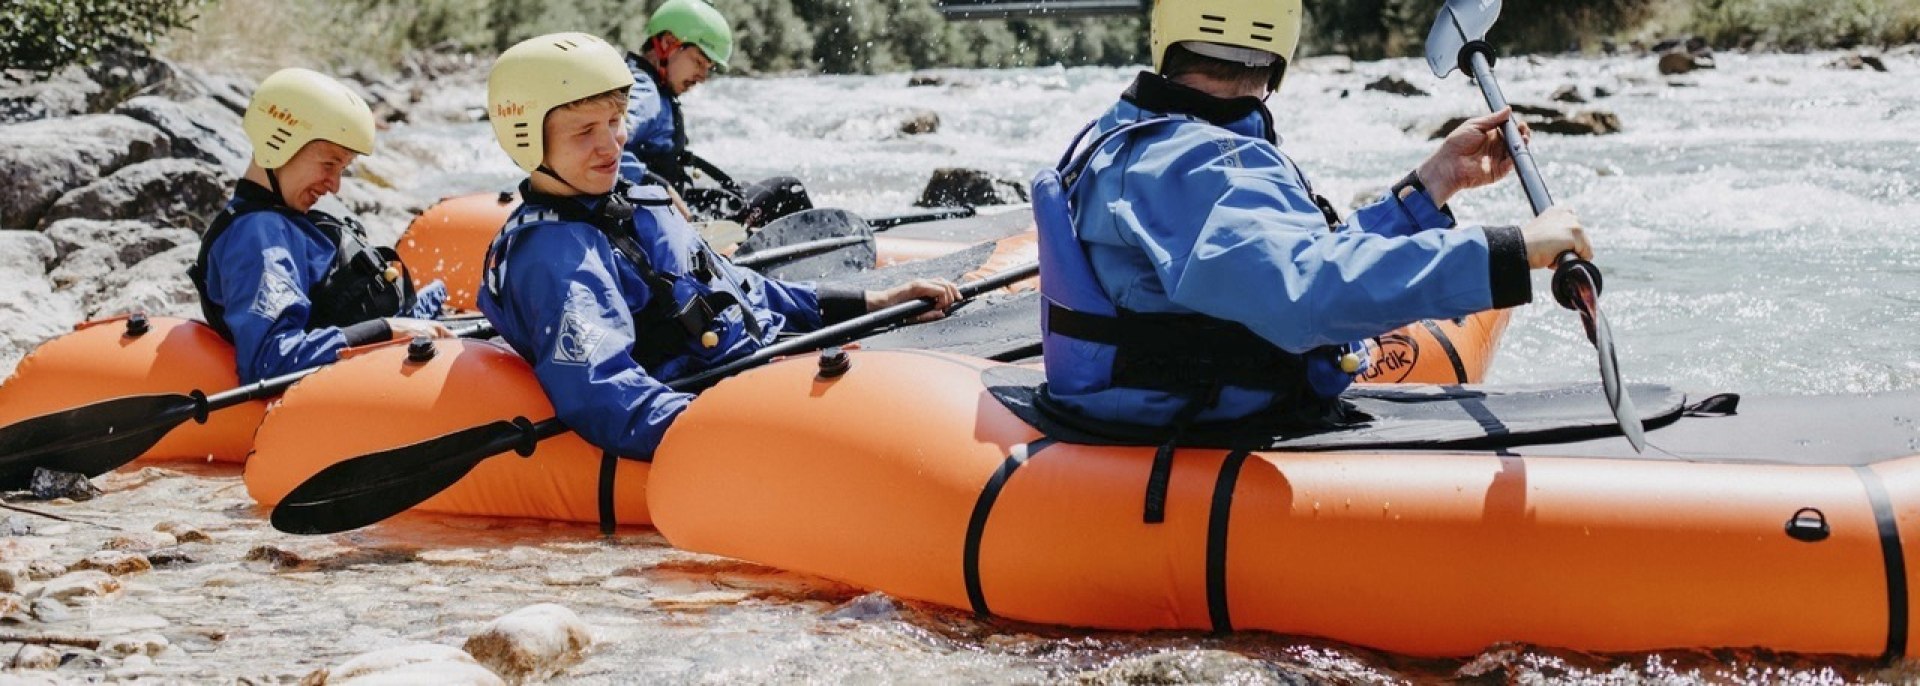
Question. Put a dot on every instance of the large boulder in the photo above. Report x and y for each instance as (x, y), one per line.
(27, 97)
(28, 304)
(157, 285)
(954, 187)
(169, 192)
(200, 129)
(42, 160)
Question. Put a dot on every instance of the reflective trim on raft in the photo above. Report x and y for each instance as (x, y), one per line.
(1896, 561)
(982, 508)
(1446, 345)
(1217, 521)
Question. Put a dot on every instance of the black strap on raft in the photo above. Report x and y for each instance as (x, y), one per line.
(1446, 346)
(1894, 558)
(977, 523)
(1218, 518)
(1162, 470)
(609, 468)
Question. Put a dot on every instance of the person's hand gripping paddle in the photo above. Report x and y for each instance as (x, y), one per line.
(1458, 40)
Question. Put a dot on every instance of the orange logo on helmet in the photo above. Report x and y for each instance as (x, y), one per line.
(284, 116)
(509, 109)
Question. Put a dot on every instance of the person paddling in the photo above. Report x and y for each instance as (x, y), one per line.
(290, 286)
(686, 41)
(599, 282)
(1191, 273)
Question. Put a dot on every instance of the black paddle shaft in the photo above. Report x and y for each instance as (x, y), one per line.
(363, 490)
(1477, 55)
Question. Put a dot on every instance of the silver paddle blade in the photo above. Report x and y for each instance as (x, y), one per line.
(1459, 23)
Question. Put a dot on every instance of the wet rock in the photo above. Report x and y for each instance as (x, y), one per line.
(65, 93)
(919, 122)
(89, 583)
(16, 525)
(1567, 93)
(869, 607)
(169, 192)
(170, 557)
(922, 80)
(419, 663)
(42, 570)
(45, 159)
(115, 562)
(1602, 92)
(953, 186)
(14, 576)
(199, 129)
(1395, 85)
(1191, 667)
(276, 557)
(1588, 123)
(47, 484)
(34, 657)
(230, 91)
(135, 644)
(184, 533)
(534, 642)
(142, 541)
(13, 607)
(1681, 62)
(124, 74)
(1858, 61)
(49, 610)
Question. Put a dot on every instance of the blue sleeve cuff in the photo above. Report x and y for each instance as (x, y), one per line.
(1421, 210)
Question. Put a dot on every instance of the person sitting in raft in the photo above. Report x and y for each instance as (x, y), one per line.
(686, 41)
(1192, 275)
(287, 285)
(600, 283)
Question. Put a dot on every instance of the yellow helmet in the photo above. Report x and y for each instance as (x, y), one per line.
(294, 107)
(539, 74)
(1251, 32)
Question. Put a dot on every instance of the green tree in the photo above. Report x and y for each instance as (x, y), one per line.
(44, 35)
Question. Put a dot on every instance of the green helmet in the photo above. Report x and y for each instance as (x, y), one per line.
(697, 23)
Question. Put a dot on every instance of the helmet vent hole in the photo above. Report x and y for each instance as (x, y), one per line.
(1262, 25)
(519, 125)
(1210, 17)
(1214, 31)
(1261, 38)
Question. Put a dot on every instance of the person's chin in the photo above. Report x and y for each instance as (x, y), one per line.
(598, 181)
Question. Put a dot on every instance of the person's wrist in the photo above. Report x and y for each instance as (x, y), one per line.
(1438, 187)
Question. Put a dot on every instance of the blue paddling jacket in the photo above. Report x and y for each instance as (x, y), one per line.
(608, 297)
(657, 140)
(1191, 274)
(292, 289)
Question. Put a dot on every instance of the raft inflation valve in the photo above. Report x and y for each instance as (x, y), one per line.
(1808, 524)
(834, 362)
(137, 324)
(420, 349)
(506, 197)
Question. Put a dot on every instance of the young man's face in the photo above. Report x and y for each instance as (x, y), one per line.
(686, 68)
(312, 173)
(584, 142)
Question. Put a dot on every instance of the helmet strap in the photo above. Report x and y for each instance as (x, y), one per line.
(544, 169)
(273, 183)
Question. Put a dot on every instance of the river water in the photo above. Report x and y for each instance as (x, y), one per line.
(1755, 223)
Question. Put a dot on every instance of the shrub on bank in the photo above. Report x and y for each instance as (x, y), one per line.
(44, 35)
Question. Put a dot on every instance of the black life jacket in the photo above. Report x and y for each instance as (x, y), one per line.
(356, 287)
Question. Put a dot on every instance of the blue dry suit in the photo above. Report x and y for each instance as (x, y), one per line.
(657, 141)
(1191, 267)
(291, 289)
(607, 303)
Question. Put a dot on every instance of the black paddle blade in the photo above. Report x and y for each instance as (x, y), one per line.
(1575, 279)
(1460, 22)
(92, 439)
(354, 493)
(813, 225)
